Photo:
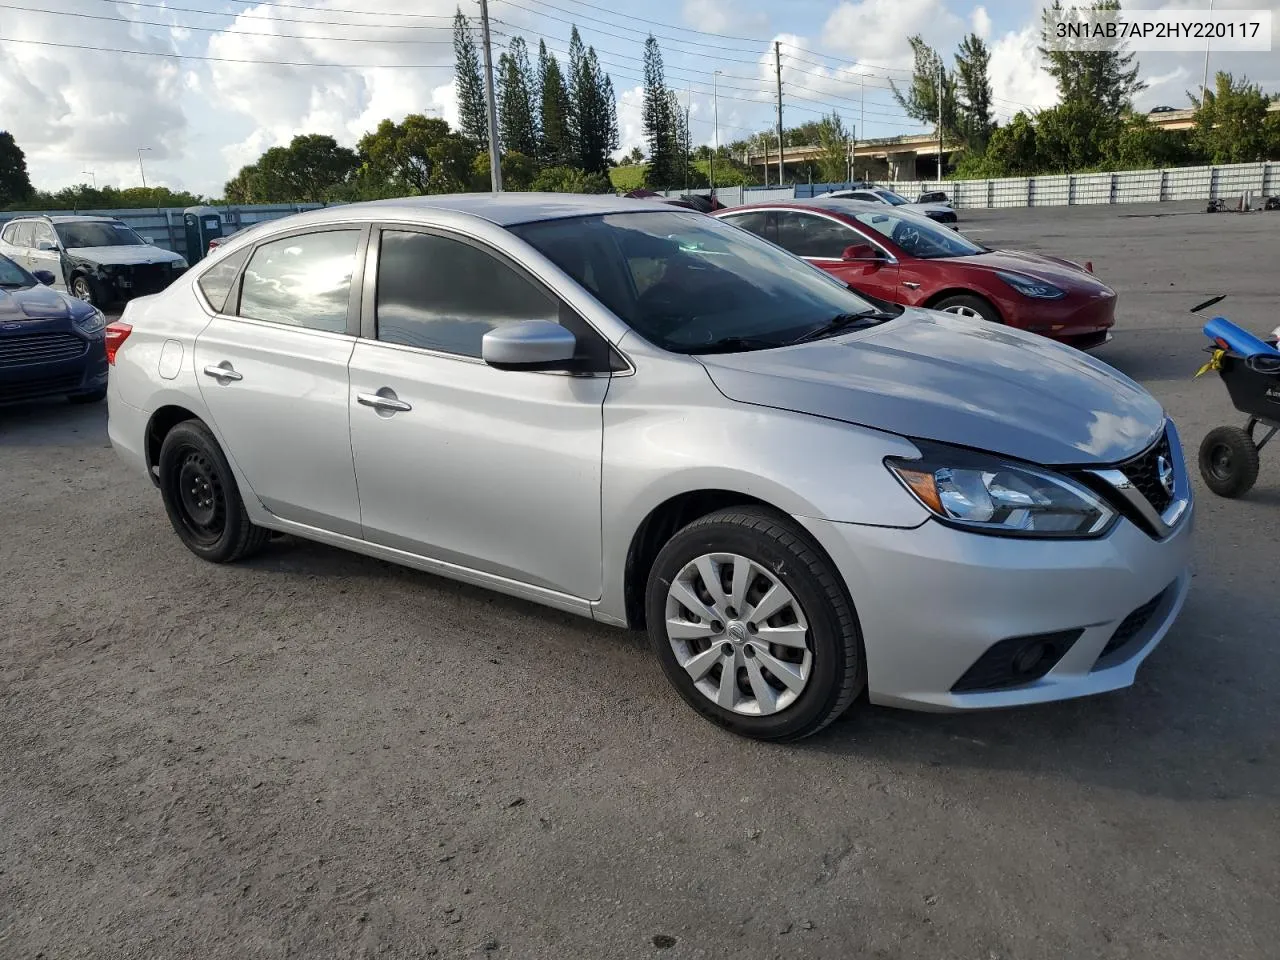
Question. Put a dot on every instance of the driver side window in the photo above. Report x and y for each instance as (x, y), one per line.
(807, 235)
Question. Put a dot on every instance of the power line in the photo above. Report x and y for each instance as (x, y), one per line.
(276, 63)
(274, 18)
(301, 6)
(241, 33)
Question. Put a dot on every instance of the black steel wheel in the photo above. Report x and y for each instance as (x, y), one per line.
(1229, 461)
(201, 497)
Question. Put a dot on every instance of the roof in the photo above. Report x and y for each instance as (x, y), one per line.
(71, 219)
(504, 209)
(835, 204)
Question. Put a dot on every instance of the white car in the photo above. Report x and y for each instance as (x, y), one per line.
(643, 415)
(941, 212)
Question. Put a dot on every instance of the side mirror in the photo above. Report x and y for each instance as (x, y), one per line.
(44, 276)
(861, 251)
(45, 246)
(528, 345)
(150, 241)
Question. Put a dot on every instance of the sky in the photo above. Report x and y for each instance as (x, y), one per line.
(209, 84)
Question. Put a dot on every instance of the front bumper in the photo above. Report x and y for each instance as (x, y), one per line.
(40, 379)
(125, 282)
(932, 600)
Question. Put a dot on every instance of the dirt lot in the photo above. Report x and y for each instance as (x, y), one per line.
(319, 755)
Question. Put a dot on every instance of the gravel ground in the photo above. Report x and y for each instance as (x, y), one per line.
(320, 755)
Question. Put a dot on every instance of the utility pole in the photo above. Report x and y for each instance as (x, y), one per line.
(1204, 87)
(141, 169)
(766, 161)
(495, 155)
(688, 137)
(777, 67)
(942, 71)
(715, 109)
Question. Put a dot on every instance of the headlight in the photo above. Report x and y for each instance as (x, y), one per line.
(178, 265)
(986, 494)
(1031, 287)
(90, 322)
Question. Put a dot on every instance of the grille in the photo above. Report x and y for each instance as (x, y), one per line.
(1144, 474)
(150, 278)
(1132, 624)
(30, 389)
(31, 348)
(1002, 665)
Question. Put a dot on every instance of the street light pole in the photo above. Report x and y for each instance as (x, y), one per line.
(1204, 87)
(715, 109)
(141, 169)
(491, 105)
(94, 175)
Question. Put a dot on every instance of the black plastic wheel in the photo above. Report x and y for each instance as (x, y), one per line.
(201, 497)
(1229, 461)
(781, 553)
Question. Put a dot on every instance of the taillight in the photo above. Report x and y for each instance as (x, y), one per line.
(116, 334)
(1088, 265)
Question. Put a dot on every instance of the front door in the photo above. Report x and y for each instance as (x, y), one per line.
(492, 470)
(49, 258)
(273, 374)
(823, 242)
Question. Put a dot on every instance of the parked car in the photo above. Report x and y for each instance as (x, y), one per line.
(100, 260)
(900, 256)
(934, 196)
(941, 212)
(639, 414)
(51, 345)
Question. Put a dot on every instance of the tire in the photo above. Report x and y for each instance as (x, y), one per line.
(93, 396)
(201, 497)
(1229, 461)
(967, 304)
(82, 288)
(818, 621)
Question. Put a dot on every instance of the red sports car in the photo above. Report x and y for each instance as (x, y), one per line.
(906, 258)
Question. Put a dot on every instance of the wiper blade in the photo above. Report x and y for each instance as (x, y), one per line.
(846, 321)
(736, 344)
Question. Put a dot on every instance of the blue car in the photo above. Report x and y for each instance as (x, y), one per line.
(51, 344)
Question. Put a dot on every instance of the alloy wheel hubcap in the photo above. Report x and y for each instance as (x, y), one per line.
(739, 633)
(962, 311)
(82, 291)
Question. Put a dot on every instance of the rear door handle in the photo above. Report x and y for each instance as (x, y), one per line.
(223, 372)
(391, 404)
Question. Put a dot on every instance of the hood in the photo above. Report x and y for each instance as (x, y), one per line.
(937, 376)
(1059, 272)
(36, 303)
(129, 254)
(927, 208)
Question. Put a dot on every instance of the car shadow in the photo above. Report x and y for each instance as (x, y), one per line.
(53, 423)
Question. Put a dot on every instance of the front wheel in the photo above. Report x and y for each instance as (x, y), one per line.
(201, 497)
(968, 305)
(753, 627)
(1229, 461)
(82, 289)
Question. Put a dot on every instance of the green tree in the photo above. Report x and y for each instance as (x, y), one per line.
(1232, 124)
(833, 138)
(15, 184)
(659, 122)
(472, 116)
(1106, 79)
(518, 123)
(518, 171)
(312, 168)
(571, 180)
(1072, 136)
(557, 147)
(594, 111)
(1012, 151)
(974, 114)
(920, 100)
(416, 156)
(1141, 145)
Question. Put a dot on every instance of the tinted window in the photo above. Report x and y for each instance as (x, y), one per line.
(707, 286)
(8, 233)
(806, 235)
(918, 235)
(216, 282)
(755, 222)
(39, 232)
(442, 294)
(97, 233)
(304, 281)
(22, 235)
(12, 275)
(871, 197)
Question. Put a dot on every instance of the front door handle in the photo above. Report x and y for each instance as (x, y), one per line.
(910, 286)
(223, 372)
(391, 404)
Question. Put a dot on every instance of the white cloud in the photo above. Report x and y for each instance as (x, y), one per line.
(981, 22)
(723, 16)
(1018, 78)
(877, 30)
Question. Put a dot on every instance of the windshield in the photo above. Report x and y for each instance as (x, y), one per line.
(919, 236)
(890, 197)
(97, 233)
(12, 275)
(692, 284)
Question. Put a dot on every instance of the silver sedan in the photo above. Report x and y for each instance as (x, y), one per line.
(651, 418)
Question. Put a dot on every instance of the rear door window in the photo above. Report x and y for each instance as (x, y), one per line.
(302, 281)
(808, 235)
(217, 281)
(22, 235)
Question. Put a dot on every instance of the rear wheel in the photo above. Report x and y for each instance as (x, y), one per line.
(1229, 461)
(201, 497)
(752, 625)
(968, 305)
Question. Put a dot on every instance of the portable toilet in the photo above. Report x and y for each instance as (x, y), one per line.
(202, 224)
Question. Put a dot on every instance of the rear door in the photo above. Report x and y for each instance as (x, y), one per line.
(492, 470)
(823, 240)
(272, 370)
